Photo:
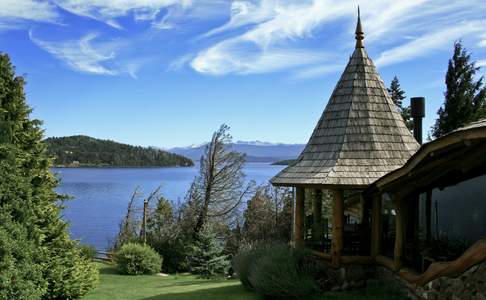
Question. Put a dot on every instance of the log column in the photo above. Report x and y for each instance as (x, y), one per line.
(376, 225)
(337, 227)
(299, 217)
(317, 218)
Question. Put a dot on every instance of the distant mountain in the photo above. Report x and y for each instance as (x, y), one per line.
(256, 151)
(85, 151)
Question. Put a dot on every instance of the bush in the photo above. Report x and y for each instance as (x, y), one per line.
(243, 262)
(136, 259)
(88, 251)
(278, 272)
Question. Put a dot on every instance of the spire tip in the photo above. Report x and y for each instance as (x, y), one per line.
(359, 32)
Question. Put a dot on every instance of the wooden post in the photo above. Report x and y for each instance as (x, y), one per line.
(337, 227)
(299, 217)
(317, 218)
(144, 221)
(376, 226)
(399, 232)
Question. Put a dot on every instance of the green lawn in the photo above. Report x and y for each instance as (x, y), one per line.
(185, 287)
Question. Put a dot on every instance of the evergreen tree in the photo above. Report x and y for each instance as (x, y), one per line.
(398, 95)
(465, 97)
(207, 257)
(37, 258)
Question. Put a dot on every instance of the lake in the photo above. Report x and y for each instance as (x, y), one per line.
(101, 195)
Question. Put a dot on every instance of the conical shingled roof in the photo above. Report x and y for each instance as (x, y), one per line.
(359, 138)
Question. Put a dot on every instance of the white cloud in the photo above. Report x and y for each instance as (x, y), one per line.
(481, 63)
(80, 55)
(14, 13)
(108, 10)
(428, 42)
(261, 30)
(242, 57)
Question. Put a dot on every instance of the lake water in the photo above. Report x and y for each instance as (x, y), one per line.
(101, 195)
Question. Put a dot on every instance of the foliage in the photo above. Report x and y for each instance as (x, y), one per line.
(129, 226)
(268, 215)
(278, 272)
(36, 245)
(88, 151)
(88, 251)
(243, 262)
(70, 276)
(219, 189)
(207, 258)
(398, 95)
(165, 236)
(465, 97)
(136, 259)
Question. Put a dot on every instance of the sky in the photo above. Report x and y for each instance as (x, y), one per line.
(168, 73)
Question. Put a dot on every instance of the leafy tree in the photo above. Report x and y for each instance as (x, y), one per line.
(219, 189)
(465, 97)
(398, 95)
(40, 261)
(207, 257)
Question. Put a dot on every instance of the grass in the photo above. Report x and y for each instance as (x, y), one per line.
(184, 287)
(173, 287)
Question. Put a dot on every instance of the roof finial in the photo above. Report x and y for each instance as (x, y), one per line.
(359, 33)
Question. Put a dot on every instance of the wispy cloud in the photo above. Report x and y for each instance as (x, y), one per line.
(14, 13)
(109, 10)
(81, 54)
(238, 56)
(429, 42)
(481, 63)
(257, 28)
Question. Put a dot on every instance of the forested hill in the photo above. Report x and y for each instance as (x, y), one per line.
(86, 151)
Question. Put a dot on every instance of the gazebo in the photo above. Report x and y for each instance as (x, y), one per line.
(359, 138)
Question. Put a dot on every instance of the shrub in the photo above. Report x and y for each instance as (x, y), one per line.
(278, 272)
(243, 262)
(136, 259)
(88, 251)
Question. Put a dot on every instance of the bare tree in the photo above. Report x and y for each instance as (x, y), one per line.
(220, 187)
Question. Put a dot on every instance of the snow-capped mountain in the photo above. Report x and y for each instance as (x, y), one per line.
(256, 151)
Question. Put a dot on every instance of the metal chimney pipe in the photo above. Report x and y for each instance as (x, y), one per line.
(417, 105)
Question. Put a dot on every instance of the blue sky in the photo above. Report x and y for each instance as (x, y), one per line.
(169, 72)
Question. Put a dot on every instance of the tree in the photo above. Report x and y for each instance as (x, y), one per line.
(219, 189)
(207, 257)
(398, 95)
(465, 97)
(41, 262)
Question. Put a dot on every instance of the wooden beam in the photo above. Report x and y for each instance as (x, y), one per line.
(385, 262)
(317, 217)
(337, 227)
(476, 254)
(299, 218)
(376, 226)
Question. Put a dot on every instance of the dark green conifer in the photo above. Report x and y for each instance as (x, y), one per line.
(465, 97)
(398, 95)
(40, 261)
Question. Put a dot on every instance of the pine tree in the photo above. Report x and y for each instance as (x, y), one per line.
(41, 261)
(207, 257)
(398, 95)
(465, 97)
